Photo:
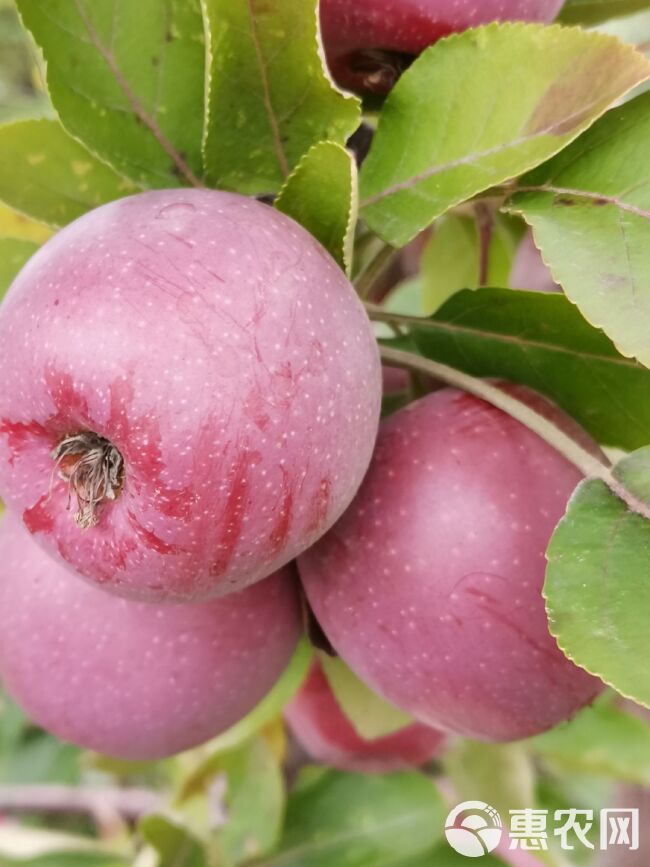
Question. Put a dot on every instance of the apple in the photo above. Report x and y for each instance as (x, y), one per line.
(189, 393)
(430, 585)
(529, 271)
(130, 679)
(321, 727)
(369, 43)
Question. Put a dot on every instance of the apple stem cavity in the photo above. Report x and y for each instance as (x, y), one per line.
(378, 69)
(94, 470)
(588, 464)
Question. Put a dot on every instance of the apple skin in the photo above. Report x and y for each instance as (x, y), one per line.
(130, 679)
(529, 271)
(353, 29)
(429, 587)
(320, 725)
(218, 346)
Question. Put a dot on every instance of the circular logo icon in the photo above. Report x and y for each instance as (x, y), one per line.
(473, 829)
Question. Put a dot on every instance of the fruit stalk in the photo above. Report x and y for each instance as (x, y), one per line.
(588, 464)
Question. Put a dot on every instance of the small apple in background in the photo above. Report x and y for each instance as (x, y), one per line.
(190, 373)
(529, 271)
(130, 679)
(321, 727)
(429, 587)
(369, 43)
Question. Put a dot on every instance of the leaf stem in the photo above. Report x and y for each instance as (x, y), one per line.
(366, 280)
(589, 465)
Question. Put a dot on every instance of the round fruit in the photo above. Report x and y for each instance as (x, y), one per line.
(322, 728)
(131, 679)
(369, 43)
(189, 393)
(430, 585)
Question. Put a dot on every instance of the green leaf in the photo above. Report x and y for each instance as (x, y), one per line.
(594, 11)
(321, 195)
(16, 225)
(540, 339)
(351, 820)
(597, 590)
(254, 801)
(14, 252)
(371, 716)
(600, 740)
(266, 711)
(450, 261)
(502, 775)
(590, 212)
(173, 842)
(468, 127)
(127, 79)
(269, 97)
(50, 176)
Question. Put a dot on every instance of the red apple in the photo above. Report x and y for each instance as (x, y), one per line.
(320, 725)
(189, 393)
(369, 43)
(131, 679)
(529, 271)
(429, 586)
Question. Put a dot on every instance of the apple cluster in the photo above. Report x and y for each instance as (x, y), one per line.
(190, 448)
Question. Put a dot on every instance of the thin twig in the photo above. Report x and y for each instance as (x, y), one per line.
(485, 227)
(367, 279)
(589, 465)
(129, 803)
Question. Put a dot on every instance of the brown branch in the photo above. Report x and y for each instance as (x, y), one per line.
(129, 803)
(138, 108)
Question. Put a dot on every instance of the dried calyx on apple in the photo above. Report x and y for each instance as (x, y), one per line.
(94, 470)
(209, 382)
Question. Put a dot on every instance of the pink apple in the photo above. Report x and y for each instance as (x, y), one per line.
(189, 393)
(131, 679)
(430, 585)
(320, 725)
(529, 271)
(368, 43)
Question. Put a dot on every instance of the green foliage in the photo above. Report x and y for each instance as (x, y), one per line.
(594, 11)
(497, 131)
(356, 821)
(14, 252)
(597, 591)
(499, 774)
(602, 739)
(590, 211)
(269, 97)
(541, 340)
(254, 802)
(370, 715)
(127, 79)
(53, 178)
(321, 194)
(451, 260)
(172, 842)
